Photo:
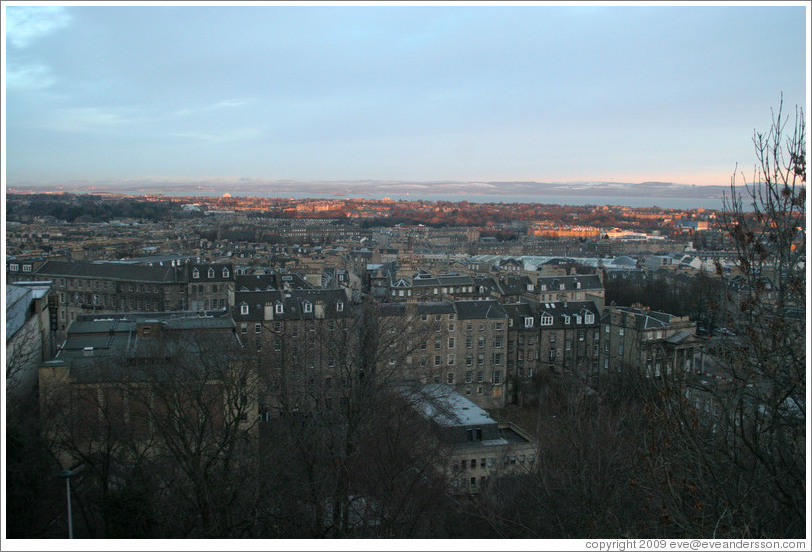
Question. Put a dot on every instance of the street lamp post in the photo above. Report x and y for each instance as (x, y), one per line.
(66, 475)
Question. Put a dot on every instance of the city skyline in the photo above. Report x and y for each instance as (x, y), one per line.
(408, 93)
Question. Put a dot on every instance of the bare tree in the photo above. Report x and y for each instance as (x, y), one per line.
(727, 444)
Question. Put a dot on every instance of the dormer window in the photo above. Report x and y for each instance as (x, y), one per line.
(528, 321)
(195, 273)
(589, 318)
(561, 286)
(211, 273)
(529, 287)
(577, 285)
(340, 306)
(543, 287)
(546, 320)
(226, 273)
(243, 308)
(566, 319)
(307, 306)
(279, 308)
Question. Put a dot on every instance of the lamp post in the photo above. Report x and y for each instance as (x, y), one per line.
(66, 475)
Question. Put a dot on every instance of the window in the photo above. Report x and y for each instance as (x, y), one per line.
(277, 344)
(473, 466)
(607, 328)
(243, 308)
(279, 308)
(497, 376)
(226, 273)
(277, 326)
(436, 343)
(451, 360)
(257, 328)
(469, 376)
(469, 436)
(308, 306)
(497, 359)
(621, 331)
(469, 360)
(481, 343)
(580, 335)
(27, 268)
(497, 342)
(528, 321)
(450, 342)
(497, 326)
(566, 319)
(211, 273)
(620, 349)
(437, 360)
(568, 344)
(552, 355)
(546, 320)
(14, 267)
(480, 360)
(469, 342)
(589, 318)
(479, 438)
(340, 306)
(450, 377)
(244, 329)
(424, 317)
(451, 327)
(480, 376)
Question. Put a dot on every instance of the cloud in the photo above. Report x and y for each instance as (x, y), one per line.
(212, 107)
(82, 119)
(31, 77)
(25, 24)
(224, 137)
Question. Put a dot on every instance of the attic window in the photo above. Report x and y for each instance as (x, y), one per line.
(577, 285)
(589, 318)
(243, 308)
(561, 286)
(340, 306)
(566, 319)
(529, 287)
(528, 321)
(211, 273)
(195, 273)
(543, 287)
(546, 320)
(225, 273)
(279, 308)
(308, 306)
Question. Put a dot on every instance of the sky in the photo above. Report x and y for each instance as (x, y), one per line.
(409, 92)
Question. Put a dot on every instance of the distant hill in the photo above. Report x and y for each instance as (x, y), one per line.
(359, 188)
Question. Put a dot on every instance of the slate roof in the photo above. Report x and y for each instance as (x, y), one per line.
(559, 311)
(292, 301)
(112, 271)
(587, 281)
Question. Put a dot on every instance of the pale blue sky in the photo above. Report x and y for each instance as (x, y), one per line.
(410, 93)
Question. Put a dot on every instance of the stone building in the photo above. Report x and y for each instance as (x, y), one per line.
(647, 342)
(477, 449)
